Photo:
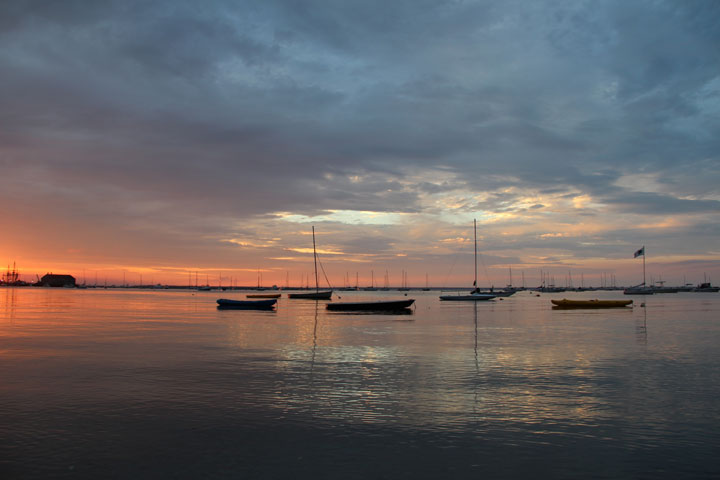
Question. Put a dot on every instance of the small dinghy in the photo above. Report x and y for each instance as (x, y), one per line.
(565, 303)
(246, 304)
(317, 295)
(470, 297)
(263, 295)
(378, 306)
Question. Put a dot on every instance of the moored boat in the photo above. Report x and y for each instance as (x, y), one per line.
(661, 288)
(246, 304)
(707, 288)
(317, 294)
(639, 290)
(475, 295)
(499, 293)
(565, 303)
(470, 297)
(263, 295)
(643, 288)
(664, 289)
(381, 305)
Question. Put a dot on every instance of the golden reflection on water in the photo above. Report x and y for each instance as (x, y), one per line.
(445, 367)
(9, 304)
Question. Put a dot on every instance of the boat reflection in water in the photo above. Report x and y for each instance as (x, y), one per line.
(594, 303)
(372, 306)
(225, 303)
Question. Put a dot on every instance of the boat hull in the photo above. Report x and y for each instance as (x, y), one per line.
(467, 298)
(665, 290)
(707, 288)
(638, 291)
(385, 305)
(312, 295)
(565, 303)
(263, 295)
(500, 293)
(246, 304)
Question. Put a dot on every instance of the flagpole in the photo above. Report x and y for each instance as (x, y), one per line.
(643, 249)
(475, 239)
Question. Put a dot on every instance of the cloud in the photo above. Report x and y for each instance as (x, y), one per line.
(179, 118)
(653, 203)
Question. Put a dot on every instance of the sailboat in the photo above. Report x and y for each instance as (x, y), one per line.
(372, 286)
(427, 285)
(404, 287)
(317, 294)
(641, 289)
(474, 295)
(202, 288)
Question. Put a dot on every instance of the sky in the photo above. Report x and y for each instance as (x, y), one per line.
(160, 141)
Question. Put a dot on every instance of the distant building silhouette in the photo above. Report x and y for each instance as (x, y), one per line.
(52, 280)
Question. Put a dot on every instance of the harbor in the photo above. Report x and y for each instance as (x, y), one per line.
(359, 240)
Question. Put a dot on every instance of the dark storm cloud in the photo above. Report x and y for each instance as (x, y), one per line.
(240, 109)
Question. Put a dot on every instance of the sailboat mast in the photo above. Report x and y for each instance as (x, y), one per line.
(475, 238)
(317, 288)
(643, 250)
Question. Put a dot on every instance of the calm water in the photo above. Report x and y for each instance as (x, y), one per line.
(151, 384)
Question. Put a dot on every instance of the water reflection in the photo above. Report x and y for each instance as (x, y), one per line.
(400, 312)
(10, 301)
(475, 322)
(567, 394)
(314, 345)
(641, 327)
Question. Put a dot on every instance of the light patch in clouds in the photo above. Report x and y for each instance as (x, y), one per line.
(457, 240)
(323, 251)
(641, 182)
(251, 244)
(665, 223)
(583, 201)
(350, 217)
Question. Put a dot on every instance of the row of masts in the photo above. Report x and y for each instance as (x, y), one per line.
(11, 277)
(548, 280)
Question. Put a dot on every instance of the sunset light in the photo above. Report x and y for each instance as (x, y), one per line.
(359, 239)
(154, 156)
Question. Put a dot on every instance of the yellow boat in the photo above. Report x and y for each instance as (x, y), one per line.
(565, 303)
(263, 295)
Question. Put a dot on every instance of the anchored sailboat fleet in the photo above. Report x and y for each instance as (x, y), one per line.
(269, 300)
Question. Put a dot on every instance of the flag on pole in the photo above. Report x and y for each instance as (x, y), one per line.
(639, 252)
